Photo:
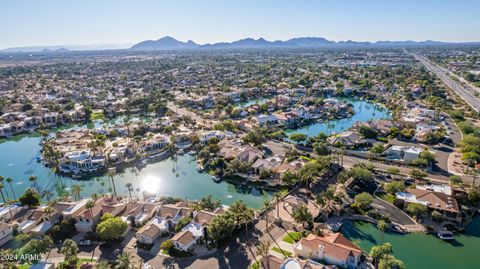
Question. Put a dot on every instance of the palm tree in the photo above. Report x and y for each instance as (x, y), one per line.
(33, 179)
(382, 226)
(263, 248)
(89, 206)
(110, 175)
(278, 195)
(48, 194)
(268, 206)
(9, 181)
(124, 261)
(1, 182)
(246, 218)
(1, 192)
(129, 188)
(76, 190)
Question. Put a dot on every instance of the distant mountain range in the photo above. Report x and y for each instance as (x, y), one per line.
(170, 43)
(65, 48)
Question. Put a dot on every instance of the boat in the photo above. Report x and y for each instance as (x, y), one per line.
(181, 152)
(445, 235)
(76, 176)
(39, 159)
(216, 179)
(396, 229)
(112, 169)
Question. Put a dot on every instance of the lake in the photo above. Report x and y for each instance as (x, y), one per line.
(364, 111)
(421, 251)
(171, 177)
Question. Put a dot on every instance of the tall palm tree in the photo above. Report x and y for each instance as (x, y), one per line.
(1, 182)
(263, 248)
(1, 192)
(33, 179)
(277, 197)
(110, 175)
(89, 206)
(382, 226)
(129, 188)
(76, 190)
(268, 206)
(48, 194)
(246, 217)
(9, 181)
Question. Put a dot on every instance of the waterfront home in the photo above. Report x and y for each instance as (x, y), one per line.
(139, 212)
(50, 119)
(404, 153)
(348, 139)
(8, 212)
(292, 203)
(6, 233)
(287, 118)
(86, 220)
(184, 240)
(5, 130)
(81, 162)
(266, 164)
(172, 214)
(436, 197)
(154, 143)
(332, 249)
(265, 120)
(292, 166)
(206, 136)
(73, 209)
(38, 220)
(235, 149)
(382, 127)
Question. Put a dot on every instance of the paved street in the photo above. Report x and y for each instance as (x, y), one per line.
(464, 91)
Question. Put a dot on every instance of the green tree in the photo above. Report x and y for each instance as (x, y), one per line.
(111, 228)
(418, 174)
(124, 261)
(36, 246)
(298, 137)
(394, 187)
(69, 250)
(364, 200)
(30, 198)
(222, 227)
(455, 180)
(302, 215)
(390, 262)
(416, 209)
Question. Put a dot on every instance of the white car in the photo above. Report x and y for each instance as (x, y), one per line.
(85, 243)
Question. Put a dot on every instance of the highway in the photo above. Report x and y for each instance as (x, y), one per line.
(466, 92)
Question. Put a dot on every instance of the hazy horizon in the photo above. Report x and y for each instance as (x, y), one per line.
(89, 22)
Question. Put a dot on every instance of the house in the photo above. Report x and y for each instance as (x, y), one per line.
(86, 220)
(73, 209)
(172, 214)
(151, 231)
(332, 249)
(37, 221)
(205, 137)
(6, 233)
(405, 153)
(266, 164)
(263, 119)
(348, 139)
(139, 212)
(7, 212)
(183, 240)
(436, 197)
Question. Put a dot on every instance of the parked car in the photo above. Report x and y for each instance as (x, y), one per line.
(85, 243)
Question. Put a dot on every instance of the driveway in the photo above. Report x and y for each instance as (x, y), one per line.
(394, 213)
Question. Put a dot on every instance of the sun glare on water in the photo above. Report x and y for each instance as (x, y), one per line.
(151, 184)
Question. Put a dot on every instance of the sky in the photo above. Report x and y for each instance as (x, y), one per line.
(60, 22)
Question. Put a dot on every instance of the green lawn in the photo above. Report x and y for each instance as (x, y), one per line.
(283, 252)
(292, 237)
(97, 115)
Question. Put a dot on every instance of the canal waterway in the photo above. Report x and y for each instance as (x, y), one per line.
(422, 251)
